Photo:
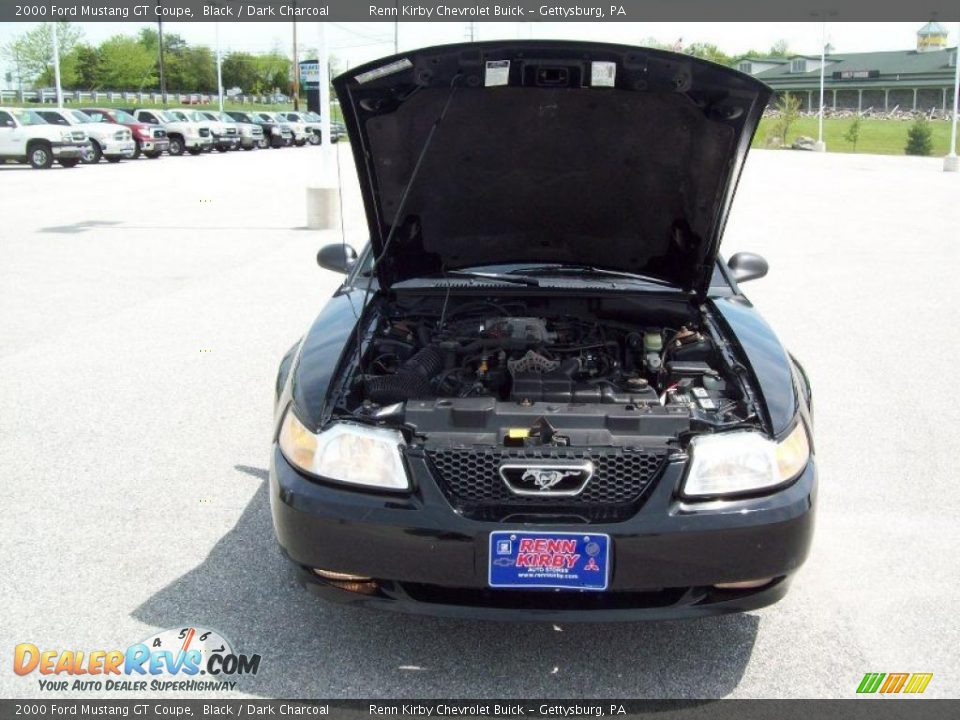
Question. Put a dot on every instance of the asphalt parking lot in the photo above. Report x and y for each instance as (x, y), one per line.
(144, 307)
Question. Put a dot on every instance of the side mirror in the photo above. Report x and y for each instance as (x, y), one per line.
(747, 266)
(338, 257)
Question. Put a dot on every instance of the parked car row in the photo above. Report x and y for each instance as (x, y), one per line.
(69, 136)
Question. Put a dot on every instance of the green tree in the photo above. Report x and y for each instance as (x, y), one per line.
(708, 51)
(853, 133)
(789, 108)
(273, 71)
(919, 137)
(126, 64)
(87, 68)
(240, 70)
(32, 53)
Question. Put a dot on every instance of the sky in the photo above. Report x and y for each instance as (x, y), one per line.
(355, 43)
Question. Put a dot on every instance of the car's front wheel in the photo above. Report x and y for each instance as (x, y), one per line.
(137, 150)
(93, 153)
(69, 162)
(176, 145)
(40, 156)
(194, 150)
(315, 138)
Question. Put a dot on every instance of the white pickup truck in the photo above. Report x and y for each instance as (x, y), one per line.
(113, 142)
(28, 138)
(191, 137)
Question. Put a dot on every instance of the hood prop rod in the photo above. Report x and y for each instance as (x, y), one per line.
(401, 206)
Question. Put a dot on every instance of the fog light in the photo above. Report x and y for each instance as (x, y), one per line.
(339, 576)
(744, 585)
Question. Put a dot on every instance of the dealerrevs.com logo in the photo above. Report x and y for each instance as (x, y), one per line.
(181, 659)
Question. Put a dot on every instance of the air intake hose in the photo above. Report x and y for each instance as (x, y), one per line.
(412, 380)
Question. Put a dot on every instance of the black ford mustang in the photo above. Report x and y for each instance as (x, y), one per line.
(539, 393)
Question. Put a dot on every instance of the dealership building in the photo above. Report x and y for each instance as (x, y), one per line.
(918, 79)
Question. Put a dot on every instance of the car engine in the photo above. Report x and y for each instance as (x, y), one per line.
(483, 365)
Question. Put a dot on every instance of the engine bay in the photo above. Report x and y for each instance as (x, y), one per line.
(558, 371)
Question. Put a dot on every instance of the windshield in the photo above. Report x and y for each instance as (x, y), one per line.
(123, 117)
(312, 117)
(177, 115)
(200, 116)
(166, 116)
(28, 117)
(241, 117)
(266, 116)
(80, 116)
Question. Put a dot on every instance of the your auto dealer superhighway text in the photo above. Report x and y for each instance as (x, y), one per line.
(497, 710)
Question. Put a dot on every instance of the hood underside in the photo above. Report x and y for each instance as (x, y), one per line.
(548, 152)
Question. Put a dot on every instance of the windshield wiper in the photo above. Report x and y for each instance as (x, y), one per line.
(571, 269)
(498, 277)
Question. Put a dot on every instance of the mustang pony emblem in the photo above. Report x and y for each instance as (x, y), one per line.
(526, 478)
(546, 479)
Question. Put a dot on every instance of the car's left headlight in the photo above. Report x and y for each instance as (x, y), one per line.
(346, 453)
(737, 463)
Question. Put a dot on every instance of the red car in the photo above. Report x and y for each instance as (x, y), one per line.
(151, 140)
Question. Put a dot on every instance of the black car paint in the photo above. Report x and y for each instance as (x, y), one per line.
(647, 190)
(430, 559)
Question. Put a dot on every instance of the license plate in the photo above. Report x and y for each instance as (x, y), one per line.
(570, 561)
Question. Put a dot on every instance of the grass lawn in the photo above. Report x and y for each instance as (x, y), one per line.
(879, 137)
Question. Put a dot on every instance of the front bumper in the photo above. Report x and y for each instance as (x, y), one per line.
(66, 151)
(118, 148)
(227, 143)
(155, 145)
(200, 142)
(428, 559)
(250, 141)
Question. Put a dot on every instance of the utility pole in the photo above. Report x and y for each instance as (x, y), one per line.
(56, 65)
(951, 163)
(296, 68)
(323, 82)
(163, 82)
(473, 32)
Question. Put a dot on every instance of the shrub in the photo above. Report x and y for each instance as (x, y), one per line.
(919, 137)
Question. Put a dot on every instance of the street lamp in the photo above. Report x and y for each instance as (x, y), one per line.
(950, 162)
(820, 145)
(219, 67)
(56, 65)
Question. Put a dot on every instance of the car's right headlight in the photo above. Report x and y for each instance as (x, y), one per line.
(345, 452)
(738, 463)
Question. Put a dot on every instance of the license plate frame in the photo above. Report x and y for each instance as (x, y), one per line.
(547, 560)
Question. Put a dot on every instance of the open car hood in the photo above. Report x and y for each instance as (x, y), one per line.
(612, 156)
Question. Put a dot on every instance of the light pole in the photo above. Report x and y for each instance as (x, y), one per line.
(296, 69)
(56, 65)
(951, 163)
(323, 81)
(820, 145)
(219, 67)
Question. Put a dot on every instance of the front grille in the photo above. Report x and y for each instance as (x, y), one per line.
(231, 132)
(78, 136)
(204, 132)
(157, 133)
(470, 478)
(256, 132)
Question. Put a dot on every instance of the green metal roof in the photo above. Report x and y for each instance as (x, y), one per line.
(893, 65)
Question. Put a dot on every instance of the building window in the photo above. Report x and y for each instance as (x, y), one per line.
(746, 67)
(798, 66)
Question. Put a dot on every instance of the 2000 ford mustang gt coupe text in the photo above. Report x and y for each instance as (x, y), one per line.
(540, 393)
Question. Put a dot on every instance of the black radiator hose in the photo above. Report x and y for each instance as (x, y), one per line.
(412, 380)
